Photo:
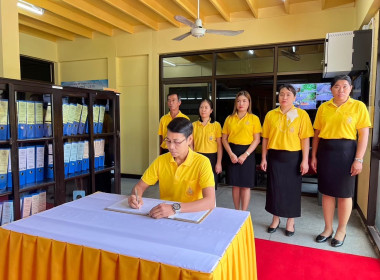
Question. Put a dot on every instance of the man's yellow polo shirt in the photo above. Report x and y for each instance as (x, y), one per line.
(241, 131)
(341, 122)
(205, 137)
(163, 127)
(285, 132)
(182, 183)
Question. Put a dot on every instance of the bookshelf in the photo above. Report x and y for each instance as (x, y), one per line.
(40, 109)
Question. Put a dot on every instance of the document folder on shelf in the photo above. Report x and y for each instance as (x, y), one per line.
(48, 132)
(50, 167)
(101, 152)
(70, 119)
(83, 119)
(66, 156)
(30, 164)
(26, 206)
(85, 161)
(40, 158)
(22, 165)
(65, 117)
(78, 111)
(4, 156)
(39, 113)
(96, 149)
(3, 119)
(95, 118)
(30, 120)
(73, 157)
(80, 156)
(9, 179)
(21, 119)
(102, 110)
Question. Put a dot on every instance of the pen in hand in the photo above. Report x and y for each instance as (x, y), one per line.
(137, 198)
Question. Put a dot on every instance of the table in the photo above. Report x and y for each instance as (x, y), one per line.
(81, 240)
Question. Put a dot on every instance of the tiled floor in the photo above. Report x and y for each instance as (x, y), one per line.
(307, 227)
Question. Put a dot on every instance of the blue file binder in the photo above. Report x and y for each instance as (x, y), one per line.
(30, 120)
(4, 156)
(70, 118)
(102, 110)
(50, 167)
(21, 119)
(66, 156)
(39, 119)
(83, 119)
(48, 132)
(101, 152)
(85, 160)
(3, 119)
(95, 111)
(30, 164)
(22, 165)
(97, 153)
(73, 157)
(65, 116)
(78, 112)
(79, 156)
(9, 179)
(40, 165)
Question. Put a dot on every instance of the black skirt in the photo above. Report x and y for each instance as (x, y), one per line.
(213, 158)
(334, 160)
(284, 183)
(241, 175)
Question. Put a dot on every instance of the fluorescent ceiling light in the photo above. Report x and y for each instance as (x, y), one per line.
(30, 7)
(168, 62)
(294, 49)
(251, 51)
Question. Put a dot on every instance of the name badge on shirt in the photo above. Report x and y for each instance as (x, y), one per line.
(349, 119)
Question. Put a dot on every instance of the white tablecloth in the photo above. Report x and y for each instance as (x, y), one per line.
(84, 222)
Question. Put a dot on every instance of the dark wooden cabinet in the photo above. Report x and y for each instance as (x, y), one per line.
(58, 185)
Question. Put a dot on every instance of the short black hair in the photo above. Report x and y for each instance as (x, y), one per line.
(173, 93)
(181, 125)
(339, 78)
(288, 87)
(211, 106)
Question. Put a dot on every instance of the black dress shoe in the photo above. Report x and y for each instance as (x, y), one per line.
(290, 233)
(337, 243)
(321, 238)
(272, 230)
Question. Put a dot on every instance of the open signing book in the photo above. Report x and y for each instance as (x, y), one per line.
(149, 203)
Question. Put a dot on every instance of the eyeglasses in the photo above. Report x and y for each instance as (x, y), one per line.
(176, 143)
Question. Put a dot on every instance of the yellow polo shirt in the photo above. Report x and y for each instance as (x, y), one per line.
(205, 137)
(341, 122)
(285, 133)
(241, 131)
(182, 183)
(163, 128)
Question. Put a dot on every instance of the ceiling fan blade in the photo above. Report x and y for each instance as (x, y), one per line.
(185, 21)
(183, 36)
(224, 32)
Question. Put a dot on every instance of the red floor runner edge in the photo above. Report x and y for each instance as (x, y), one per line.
(277, 261)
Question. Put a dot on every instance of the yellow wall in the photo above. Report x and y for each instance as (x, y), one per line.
(147, 45)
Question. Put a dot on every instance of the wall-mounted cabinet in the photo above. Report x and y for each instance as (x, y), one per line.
(54, 141)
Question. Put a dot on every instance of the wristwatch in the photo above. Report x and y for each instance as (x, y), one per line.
(176, 207)
(359, 160)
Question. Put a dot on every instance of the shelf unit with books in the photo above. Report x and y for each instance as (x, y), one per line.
(33, 137)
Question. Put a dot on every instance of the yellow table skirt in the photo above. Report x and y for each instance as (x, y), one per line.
(26, 257)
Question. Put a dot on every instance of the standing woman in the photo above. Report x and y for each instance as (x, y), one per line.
(286, 141)
(240, 137)
(208, 137)
(337, 156)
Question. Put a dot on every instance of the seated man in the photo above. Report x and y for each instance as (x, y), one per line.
(184, 175)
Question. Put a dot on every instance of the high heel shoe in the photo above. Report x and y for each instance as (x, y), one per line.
(320, 238)
(272, 230)
(290, 233)
(337, 243)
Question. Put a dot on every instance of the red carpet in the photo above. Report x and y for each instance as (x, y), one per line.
(276, 261)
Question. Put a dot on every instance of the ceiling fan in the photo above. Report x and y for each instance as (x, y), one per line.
(198, 31)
